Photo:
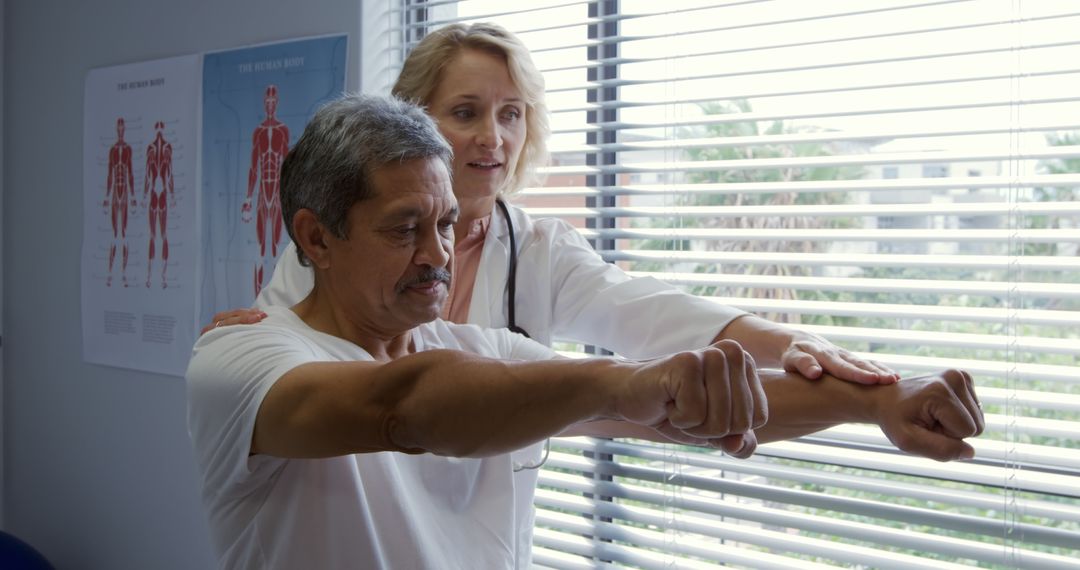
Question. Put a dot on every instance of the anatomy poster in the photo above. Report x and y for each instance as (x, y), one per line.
(256, 102)
(139, 207)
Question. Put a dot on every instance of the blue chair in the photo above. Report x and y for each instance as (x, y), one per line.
(18, 555)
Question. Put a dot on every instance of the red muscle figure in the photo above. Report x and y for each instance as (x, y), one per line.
(119, 188)
(158, 166)
(269, 145)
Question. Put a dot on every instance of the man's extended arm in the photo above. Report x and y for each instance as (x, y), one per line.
(456, 404)
(925, 415)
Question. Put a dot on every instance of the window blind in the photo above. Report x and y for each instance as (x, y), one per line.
(898, 176)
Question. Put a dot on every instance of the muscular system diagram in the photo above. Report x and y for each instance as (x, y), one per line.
(119, 189)
(157, 182)
(269, 145)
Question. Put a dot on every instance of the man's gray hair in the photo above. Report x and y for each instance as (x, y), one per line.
(330, 168)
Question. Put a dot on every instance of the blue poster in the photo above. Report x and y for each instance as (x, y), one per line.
(256, 102)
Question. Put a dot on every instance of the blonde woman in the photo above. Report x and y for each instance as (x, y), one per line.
(479, 82)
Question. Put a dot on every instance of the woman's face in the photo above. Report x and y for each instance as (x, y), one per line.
(482, 113)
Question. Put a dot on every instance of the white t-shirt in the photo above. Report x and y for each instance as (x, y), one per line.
(565, 291)
(376, 510)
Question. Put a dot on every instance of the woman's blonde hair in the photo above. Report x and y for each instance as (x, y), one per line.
(423, 71)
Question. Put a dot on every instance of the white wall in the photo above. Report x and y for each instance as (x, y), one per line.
(98, 472)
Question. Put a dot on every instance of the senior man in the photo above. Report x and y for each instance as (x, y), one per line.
(356, 430)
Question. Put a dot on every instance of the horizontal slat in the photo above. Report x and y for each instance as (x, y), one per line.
(1031, 399)
(757, 513)
(759, 466)
(549, 559)
(818, 66)
(704, 31)
(809, 113)
(1053, 458)
(432, 23)
(668, 546)
(849, 259)
(713, 482)
(571, 534)
(815, 210)
(999, 289)
(720, 530)
(970, 472)
(1040, 458)
(670, 11)
(877, 454)
(1024, 373)
(904, 311)
(797, 138)
(831, 39)
(576, 542)
(871, 235)
(807, 186)
(894, 462)
(1027, 343)
(829, 161)
(712, 523)
(959, 81)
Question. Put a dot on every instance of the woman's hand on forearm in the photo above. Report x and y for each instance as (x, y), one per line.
(810, 355)
(774, 345)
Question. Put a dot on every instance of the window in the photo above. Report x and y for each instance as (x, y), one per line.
(900, 176)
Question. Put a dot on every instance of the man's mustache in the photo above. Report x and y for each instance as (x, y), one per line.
(426, 276)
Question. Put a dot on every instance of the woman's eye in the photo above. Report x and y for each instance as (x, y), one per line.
(512, 114)
(463, 113)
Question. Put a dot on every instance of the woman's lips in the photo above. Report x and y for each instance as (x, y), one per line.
(485, 164)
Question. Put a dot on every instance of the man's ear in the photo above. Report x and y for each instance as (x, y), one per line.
(311, 237)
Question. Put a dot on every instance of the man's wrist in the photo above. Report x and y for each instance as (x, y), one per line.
(829, 400)
(863, 402)
(613, 376)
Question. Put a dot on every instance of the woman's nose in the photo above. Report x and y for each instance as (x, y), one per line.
(488, 136)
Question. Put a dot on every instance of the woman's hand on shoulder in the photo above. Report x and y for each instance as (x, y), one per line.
(234, 317)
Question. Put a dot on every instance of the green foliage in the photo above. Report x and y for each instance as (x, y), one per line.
(731, 131)
(1055, 194)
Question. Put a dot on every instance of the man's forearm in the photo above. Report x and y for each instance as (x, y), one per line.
(798, 406)
(480, 407)
(442, 402)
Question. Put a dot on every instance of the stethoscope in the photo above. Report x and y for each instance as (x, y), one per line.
(511, 279)
(511, 289)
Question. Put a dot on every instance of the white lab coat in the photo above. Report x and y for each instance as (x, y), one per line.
(565, 292)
